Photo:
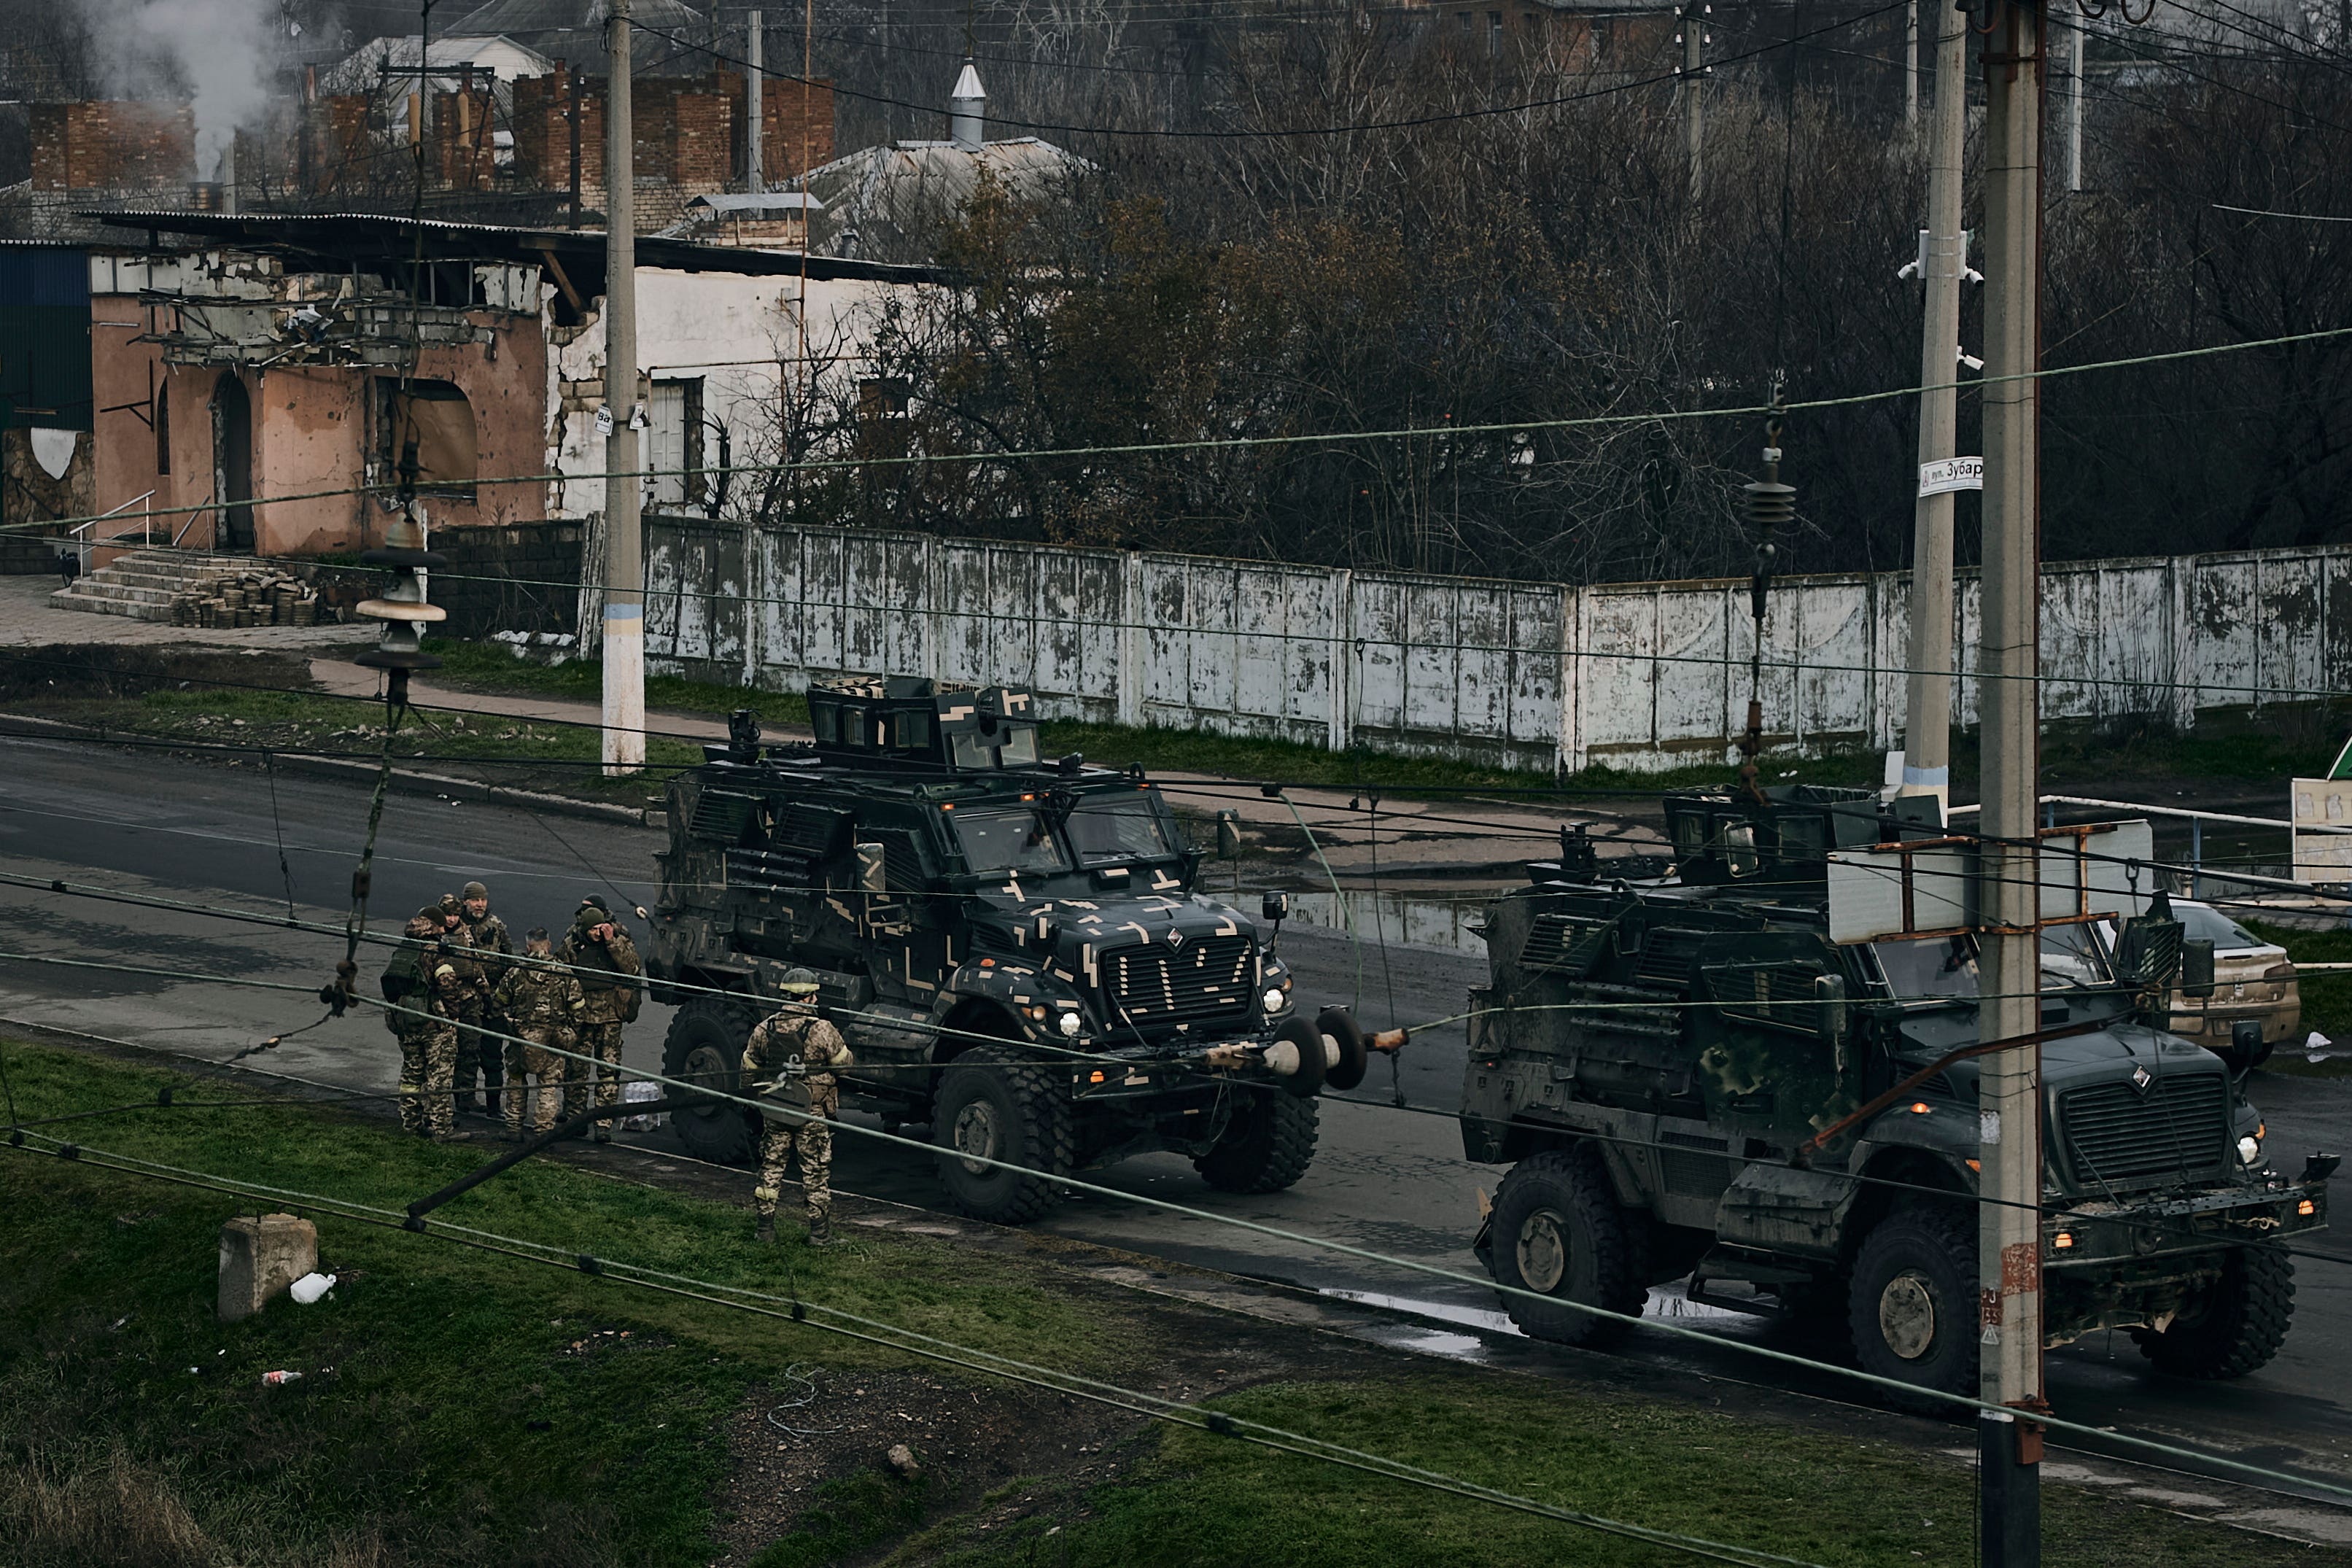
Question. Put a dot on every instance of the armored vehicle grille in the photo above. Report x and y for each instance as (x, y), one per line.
(1207, 978)
(1666, 956)
(902, 864)
(1557, 941)
(2180, 1128)
(721, 815)
(809, 830)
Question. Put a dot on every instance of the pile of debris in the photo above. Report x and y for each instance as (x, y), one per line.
(250, 599)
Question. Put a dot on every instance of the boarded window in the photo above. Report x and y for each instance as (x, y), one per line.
(435, 415)
(672, 452)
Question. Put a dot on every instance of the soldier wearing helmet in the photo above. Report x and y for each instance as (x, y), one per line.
(479, 1056)
(790, 1061)
(426, 982)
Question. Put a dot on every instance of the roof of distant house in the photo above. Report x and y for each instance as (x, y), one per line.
(364, 67)
(895, 203)
(516, 18)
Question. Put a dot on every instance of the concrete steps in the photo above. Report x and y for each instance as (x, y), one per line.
(141, 584)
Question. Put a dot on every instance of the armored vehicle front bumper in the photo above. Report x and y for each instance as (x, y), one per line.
(2104, 1232)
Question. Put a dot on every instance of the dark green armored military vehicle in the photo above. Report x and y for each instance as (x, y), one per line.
(1754, 1073)
(1014, 948)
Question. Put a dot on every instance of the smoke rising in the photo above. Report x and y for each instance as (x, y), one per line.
(217, 52)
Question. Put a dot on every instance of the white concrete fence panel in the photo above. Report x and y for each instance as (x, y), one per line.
(1637, 676)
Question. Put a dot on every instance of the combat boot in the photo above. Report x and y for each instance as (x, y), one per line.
(767, 1231)
(820, 1230)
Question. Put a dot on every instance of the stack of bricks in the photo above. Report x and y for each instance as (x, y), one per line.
(112, 145)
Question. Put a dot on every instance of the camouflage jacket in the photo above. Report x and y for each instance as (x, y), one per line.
(609, 972)
(818, 1046)
(435, 982)
(489, 938)
(539, 998)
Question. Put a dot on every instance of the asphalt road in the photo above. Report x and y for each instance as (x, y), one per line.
(1385, 1180)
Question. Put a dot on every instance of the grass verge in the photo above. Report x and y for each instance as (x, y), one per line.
(461, 1407)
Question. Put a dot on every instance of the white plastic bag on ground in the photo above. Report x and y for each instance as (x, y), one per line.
(633, 1093)
(310, 1287)
(2316, 1046)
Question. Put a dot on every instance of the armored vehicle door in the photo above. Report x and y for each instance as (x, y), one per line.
(1774, 1053)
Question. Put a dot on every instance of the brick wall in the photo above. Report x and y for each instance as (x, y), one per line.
(463, 153)
(342, 147)
(497, 578)
(542, 131)
(782, 118)
(702, 149)
(102, 144)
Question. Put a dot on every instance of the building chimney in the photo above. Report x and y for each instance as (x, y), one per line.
(204, 195)
(967, 110)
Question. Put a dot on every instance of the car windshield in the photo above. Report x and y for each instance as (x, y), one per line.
(2204, 923)
(1940, 966)
(1007, 841)
(1112, 827)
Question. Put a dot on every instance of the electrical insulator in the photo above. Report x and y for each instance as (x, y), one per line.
(1768, 504)
(402, 605)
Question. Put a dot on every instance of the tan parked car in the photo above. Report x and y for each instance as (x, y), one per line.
(2253, 980)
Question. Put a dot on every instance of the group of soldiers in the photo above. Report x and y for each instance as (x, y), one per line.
(482, 1028)
(463, 991)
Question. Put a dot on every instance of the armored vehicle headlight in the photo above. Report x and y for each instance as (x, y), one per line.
(2250, 1150)
(1072, 1023)
(1276, 999)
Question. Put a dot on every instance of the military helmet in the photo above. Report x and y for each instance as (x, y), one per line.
(474, 890)
(799, 983)
(425, 923)
(429, 913)
(595, 901)
(450, 906)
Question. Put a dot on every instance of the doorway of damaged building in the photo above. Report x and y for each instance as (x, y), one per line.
(45, 398)
(233, 464)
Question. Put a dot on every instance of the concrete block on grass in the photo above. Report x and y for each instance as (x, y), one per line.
(259, 1258)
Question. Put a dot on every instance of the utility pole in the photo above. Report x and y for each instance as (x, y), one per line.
(624, 570)
(1911, 65)
(2008, 1225)
(756, 125)
(1694, 74)
(1942, 261)
(2080, 42)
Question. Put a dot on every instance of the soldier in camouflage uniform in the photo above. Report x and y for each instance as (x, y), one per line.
(424, 975)
(610, 975)
(478, 1051)
(472, 1001)
(544, 1007)
(789, 1062)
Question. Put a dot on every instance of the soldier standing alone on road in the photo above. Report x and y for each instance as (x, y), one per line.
(478, 1052)
(789, 1060)
(605, 963)
(543, 1006)
(424, 976)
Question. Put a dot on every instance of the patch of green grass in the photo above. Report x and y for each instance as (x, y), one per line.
(1203, 1499)
(2326, 998)
(447, 1413)
(850, 1517)
(460, 1406)
(490, 667)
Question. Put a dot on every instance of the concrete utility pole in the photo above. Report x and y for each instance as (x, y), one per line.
(625, 569)
(2008, 1245)
(753, 130)
(1943, 260)
(2080, 42)
(1911, 65)
(1694, 79)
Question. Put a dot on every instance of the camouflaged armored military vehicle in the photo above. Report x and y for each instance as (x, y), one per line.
(1013, 946)
(1753, 1073)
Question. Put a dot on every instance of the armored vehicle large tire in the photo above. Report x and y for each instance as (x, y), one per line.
(993, 1104)
(2239, 1325)
(1912, 1306)
(1266, 1145)
(1559, 1231)
(705, 1046)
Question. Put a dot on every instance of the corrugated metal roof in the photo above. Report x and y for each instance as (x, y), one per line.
(336, 232)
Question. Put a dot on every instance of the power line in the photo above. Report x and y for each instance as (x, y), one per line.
(1913, 1390)
(799, 1310)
